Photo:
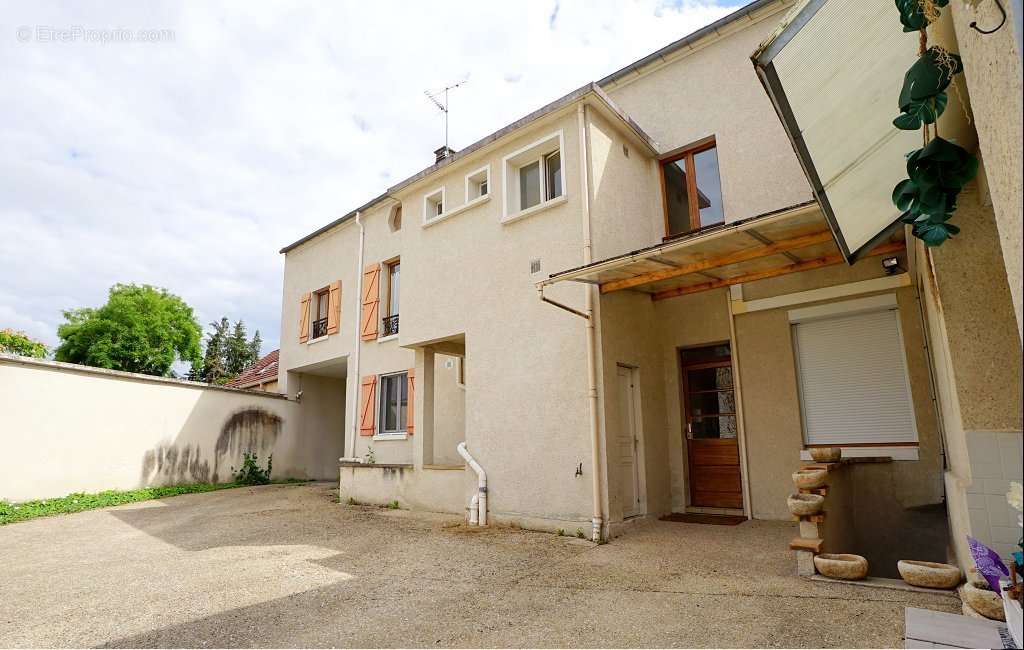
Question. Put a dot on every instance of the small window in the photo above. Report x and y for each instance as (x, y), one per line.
(320, 304)
(393, 404)
(391, 285)
(433, 205)
(693, 190)
(533, 176)
(395, 218)
(477, 184)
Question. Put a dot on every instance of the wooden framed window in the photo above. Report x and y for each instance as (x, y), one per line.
(392, 276)
(321, 310)
(692, 188)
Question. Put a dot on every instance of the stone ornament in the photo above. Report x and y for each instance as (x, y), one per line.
(933, 575)
(987, 603)
(806, 479)
(841, 566)
(805, 504)
(826, 454)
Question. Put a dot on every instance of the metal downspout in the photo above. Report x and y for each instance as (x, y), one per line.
(350, 445)
(588, 308)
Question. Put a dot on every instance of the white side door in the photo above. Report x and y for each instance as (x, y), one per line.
(627, 444)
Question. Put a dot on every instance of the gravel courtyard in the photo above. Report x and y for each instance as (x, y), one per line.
(287, 566)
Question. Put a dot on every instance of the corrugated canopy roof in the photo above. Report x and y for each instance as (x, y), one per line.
(778, 243)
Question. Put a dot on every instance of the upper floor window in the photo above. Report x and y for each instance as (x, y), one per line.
(692, 189)
(392, 276)
(533, 175)
(321, 306)
(478, 184)
(433, 204)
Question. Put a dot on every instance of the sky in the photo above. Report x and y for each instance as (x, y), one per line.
(183, 144)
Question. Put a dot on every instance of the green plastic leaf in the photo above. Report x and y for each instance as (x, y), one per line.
(912, 15)
(930, 75)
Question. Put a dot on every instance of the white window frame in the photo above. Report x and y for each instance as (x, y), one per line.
(471, 180)
(898, 450)
(430, 201)
(538, 152)
(380, 433)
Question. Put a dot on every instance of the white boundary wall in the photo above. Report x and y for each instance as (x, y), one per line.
(66, 428)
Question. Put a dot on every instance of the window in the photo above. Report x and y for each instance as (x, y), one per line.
(553, 176)
(393, 404)
(321, 304)
(853, 382)
(392, 276)
(478, 184)
(692, 189)
(433, 205)
(533, 176)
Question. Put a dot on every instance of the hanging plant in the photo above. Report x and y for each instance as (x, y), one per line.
(937, 171)
(940, 169)
(923, 97)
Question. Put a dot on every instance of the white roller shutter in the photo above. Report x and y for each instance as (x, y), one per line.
(853, 380)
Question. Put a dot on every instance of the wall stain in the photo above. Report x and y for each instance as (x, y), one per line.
(251, 429)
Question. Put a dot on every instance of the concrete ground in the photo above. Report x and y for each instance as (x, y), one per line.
(287, 566)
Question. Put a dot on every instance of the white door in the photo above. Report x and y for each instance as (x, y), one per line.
(627, 447)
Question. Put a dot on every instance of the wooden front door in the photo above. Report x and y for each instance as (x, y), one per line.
(710, 408)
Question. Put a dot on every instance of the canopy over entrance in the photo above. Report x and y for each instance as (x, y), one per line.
(778, 243)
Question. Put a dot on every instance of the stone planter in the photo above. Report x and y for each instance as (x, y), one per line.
(975, 578)
(987, 603)
(826, 454)
(805, 504)
(842, 566)
(968, 611)
(933, 575)
(806, 479)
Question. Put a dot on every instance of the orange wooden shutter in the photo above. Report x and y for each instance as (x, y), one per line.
(367, 412)
(371, 302)
(334, 308)
(304, 318)
(410, 411)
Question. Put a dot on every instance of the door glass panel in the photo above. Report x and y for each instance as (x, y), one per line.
(712, 403)
(710, 353)
(703, 379)
(709, 187)
(714, 427)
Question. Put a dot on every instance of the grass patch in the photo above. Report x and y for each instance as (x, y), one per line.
(79, 501)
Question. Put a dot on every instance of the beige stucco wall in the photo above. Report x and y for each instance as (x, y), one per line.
(67, 429)
(993, 72)
(712, 90)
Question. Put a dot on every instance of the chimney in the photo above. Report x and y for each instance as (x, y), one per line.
(442, 153)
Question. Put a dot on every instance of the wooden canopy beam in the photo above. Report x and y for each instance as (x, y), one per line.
(817, 263)
(745, 255)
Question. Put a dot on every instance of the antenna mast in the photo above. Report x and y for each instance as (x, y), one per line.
(443, 106)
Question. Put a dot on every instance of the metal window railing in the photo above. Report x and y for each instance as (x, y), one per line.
(319, 328)
(389, 325)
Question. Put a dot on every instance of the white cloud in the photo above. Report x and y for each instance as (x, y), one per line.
(188, 163)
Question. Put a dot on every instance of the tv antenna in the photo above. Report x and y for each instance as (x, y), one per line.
(443, 105)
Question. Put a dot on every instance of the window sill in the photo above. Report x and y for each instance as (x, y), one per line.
(457, 211)
(377, 437)
(902, 452)
(390, 337)
(318, 340)
(540, 207)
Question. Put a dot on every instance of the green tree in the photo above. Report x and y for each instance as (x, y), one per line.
(140, 329)
(12, 342)
(255, 348)
(215, 359)
(238, 352)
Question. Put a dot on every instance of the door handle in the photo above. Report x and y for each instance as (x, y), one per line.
(689, 430)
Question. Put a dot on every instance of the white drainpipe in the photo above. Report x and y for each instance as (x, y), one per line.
(479, 513)
(351, 443)
(588, 307)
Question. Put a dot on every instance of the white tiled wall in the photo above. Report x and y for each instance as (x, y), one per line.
(996, 459)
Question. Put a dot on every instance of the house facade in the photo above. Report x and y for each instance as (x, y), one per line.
(626, 304)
